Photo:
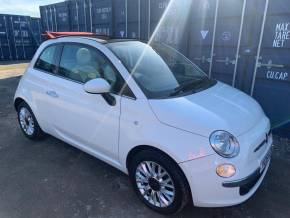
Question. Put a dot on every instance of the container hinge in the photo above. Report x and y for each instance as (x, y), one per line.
(270, 64)
(227, 61)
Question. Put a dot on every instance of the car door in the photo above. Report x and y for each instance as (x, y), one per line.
(39, 80)
(85, 120)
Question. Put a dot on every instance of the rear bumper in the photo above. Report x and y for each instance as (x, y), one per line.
(210, 190)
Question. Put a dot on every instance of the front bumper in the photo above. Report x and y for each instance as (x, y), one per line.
(210, 190)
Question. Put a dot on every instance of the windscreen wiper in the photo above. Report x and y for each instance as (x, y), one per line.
(187, 85)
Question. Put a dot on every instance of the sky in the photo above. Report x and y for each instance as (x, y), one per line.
(23, 7)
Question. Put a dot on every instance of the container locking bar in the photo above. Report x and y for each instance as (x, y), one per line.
(203, 59)
(270, 64)
(227, 61)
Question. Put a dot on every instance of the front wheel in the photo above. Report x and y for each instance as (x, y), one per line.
(28, 122)
(159, 182)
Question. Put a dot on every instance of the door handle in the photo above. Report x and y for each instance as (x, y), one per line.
(52, 94)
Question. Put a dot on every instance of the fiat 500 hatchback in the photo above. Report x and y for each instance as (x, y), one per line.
(153, 114)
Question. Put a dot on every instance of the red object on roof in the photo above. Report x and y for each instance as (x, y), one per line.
(53, 35)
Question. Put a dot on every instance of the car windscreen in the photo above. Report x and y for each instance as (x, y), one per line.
(159, 70)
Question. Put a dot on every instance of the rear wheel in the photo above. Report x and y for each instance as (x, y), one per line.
(159, 182)
(28, 122)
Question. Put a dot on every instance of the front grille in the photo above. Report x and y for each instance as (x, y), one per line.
(265, 141)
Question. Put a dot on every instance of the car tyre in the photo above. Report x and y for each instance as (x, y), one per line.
(28, 122)
(172, 187)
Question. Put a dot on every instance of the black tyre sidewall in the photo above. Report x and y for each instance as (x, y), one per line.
(175, 173)
(37, 131)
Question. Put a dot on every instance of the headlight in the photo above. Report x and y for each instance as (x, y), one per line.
(225, 144)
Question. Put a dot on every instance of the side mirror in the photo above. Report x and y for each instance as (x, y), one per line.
(100, 86)
(97, 86)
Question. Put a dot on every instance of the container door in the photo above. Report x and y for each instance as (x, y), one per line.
(83, 11)
(36, 30)
(74, 15)
(102, 17)
(120, 14)
(219, 37)
(134, 19)
(168, 22)
(271, 78)
(61, 13)
(5, 44)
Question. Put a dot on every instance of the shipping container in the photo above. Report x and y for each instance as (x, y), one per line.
(5, 39)
(36, 30)
(16, 38)
(128, 20)
(24, 46)
(225, 40)
(55, 17)
(169, 22)
(155, 20)
(102, 17)
(221, 38)
(80, 15)
(271, 74)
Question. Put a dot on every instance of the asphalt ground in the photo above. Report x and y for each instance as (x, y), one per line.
(51, 179)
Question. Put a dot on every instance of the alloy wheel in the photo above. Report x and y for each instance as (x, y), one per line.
(26, 121)
(155, 184)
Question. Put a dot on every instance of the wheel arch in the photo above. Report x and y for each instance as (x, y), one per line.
(138, 149)
(18, 101)
(141, 148)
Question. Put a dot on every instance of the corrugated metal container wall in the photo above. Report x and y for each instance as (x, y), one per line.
(55, 17)
(36, 30)
(127, 19)
(44, 17)
(271, 78)
(221, 38)
(46, 13)
(142, 19)
(225, 39)
(168, 22)
(134, 20)
(80, 11)
(5, 43)
(21, 39)
(102, 15)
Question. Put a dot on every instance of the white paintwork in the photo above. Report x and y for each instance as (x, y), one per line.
(180, 127)
(218, 108)
(97, 86)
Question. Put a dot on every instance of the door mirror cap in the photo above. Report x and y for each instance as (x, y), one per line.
(97, 86)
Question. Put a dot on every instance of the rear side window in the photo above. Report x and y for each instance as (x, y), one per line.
(82, 63)
(48, 59)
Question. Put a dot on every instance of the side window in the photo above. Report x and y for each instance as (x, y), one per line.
(47, 61)
(82, 63)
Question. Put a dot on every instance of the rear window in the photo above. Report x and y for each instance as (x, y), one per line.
(47, 61)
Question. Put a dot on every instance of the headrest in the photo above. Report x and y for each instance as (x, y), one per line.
(83, 56)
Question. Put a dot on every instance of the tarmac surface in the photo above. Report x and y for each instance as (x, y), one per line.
(51, 179)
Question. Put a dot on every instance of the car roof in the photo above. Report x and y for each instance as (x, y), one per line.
(99, 38)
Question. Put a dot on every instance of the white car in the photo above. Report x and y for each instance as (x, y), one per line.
(153, 114)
